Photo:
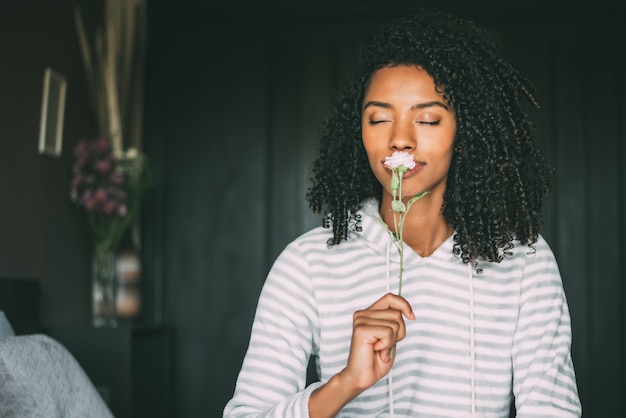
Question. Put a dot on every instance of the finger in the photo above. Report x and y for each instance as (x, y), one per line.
(391, 301)
(383, 318)
(387, 355)
(374, 340)
(377, 333)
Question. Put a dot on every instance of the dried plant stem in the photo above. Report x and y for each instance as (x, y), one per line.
(114, 64)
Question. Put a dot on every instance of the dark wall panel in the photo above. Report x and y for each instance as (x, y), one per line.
(215, 166)
(604, 248)
(571, 193)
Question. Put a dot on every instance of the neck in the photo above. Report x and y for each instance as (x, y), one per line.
(425, 228)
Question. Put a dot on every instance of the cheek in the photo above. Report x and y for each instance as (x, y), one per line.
(374, 156)
(446, 157)
(440, 144)
(375, 166)
(371, 145)
(366, 136)
(440, 150)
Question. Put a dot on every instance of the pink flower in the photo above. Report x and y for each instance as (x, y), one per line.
(100, 195)
(101, 145)
(101, 185)
(400, 158)
(89, 200)
(103, 166)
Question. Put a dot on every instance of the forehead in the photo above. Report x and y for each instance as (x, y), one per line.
(402, 81)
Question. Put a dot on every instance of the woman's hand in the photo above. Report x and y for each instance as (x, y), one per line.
(375, 331)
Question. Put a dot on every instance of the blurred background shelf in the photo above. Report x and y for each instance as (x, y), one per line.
(131, 366)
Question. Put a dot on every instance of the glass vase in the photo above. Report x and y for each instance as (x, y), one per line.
(103, 288)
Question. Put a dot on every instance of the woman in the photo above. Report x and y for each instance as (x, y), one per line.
(482, 320)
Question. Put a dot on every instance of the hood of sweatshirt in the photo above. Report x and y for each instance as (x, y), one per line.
(377, 236)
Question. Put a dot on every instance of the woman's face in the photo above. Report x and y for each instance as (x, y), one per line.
(403, 111)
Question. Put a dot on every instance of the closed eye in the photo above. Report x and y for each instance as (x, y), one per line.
(434, 123)
(376, 122)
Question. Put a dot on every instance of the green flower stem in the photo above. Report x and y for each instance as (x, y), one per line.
(399, 211)
(400, 234)
(399, 215)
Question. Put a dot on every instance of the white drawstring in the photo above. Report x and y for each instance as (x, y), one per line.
(470, 276)
(390, 375)
(387, 266)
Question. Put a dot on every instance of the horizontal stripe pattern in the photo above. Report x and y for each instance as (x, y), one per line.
(522, 331)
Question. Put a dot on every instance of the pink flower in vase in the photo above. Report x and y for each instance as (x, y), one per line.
(101, 145)
(104, 166)
(100, 196)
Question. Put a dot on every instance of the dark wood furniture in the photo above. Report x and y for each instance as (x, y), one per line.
(131, 366)
(20, 301)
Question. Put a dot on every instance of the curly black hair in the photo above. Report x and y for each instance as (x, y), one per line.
(498, 177)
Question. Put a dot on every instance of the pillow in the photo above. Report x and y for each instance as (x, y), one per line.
(39, 378)
(6, 329)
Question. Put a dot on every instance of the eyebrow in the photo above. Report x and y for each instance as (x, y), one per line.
(414, 107)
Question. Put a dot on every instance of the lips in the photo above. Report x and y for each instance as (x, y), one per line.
(418, 166)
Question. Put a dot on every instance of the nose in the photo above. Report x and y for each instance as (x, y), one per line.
(403, 136)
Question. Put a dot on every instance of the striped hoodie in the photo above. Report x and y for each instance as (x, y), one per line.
(483, 336)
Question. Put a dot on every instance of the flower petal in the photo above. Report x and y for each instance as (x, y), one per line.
(400, 158)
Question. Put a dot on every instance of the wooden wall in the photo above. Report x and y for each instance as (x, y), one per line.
(235, 98)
